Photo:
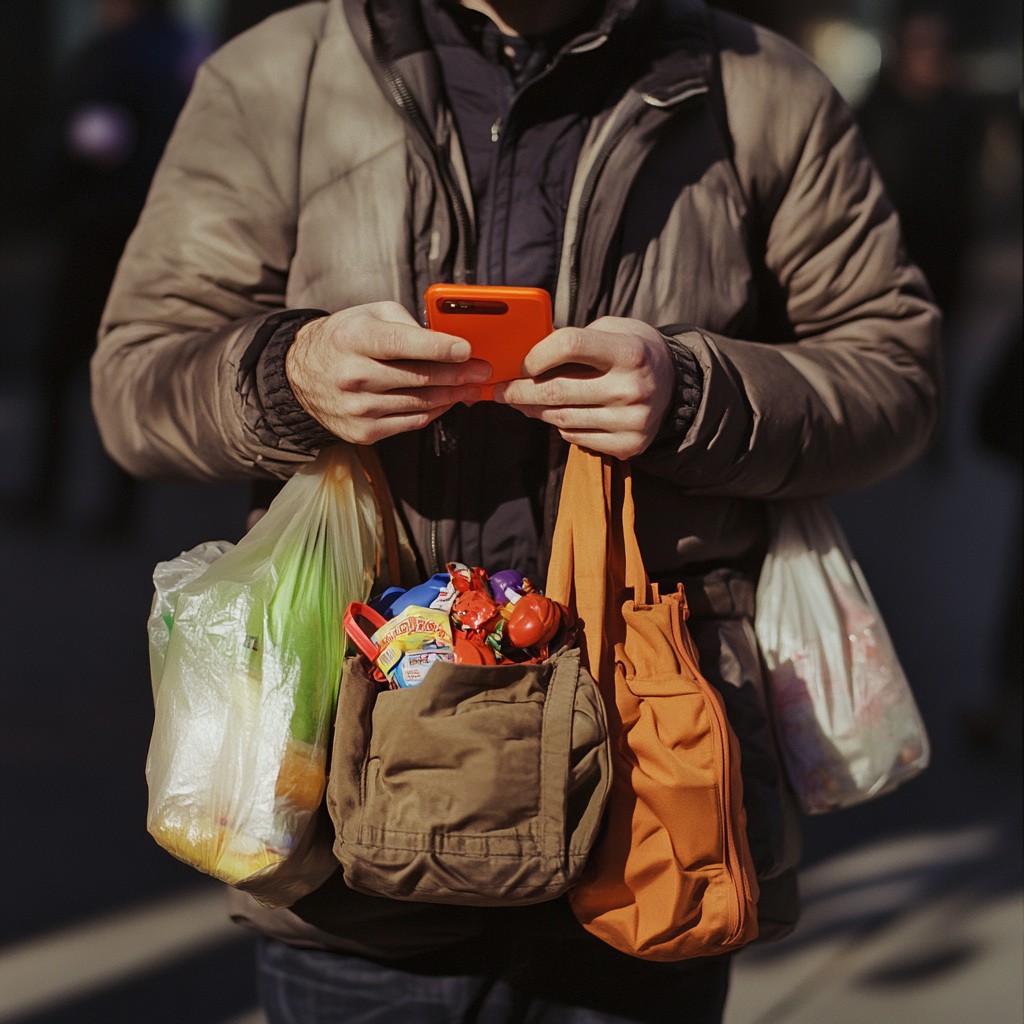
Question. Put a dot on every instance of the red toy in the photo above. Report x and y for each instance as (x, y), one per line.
(535, 621)
(467, 652)
(475, 612)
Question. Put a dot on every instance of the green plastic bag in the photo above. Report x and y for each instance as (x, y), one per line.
(247, 692)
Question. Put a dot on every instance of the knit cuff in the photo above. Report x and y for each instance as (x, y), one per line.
(273, 412)
(689, 388)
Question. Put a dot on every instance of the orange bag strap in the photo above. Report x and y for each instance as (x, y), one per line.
(357, 610)
(577, 573)
(635, 574)
(595, 557)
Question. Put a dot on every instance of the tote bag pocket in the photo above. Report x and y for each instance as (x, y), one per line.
(481, 786)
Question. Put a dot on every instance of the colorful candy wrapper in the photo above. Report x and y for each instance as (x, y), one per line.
(445, 598)
(415, 629)
(413, 667)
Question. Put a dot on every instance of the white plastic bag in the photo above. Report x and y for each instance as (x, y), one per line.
(247, 691)
(168, 579)
(847, 722)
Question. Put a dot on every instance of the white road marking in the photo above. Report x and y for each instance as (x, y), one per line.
(90, 956)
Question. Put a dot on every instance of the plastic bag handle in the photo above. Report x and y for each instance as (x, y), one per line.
(359, 638)
(386, 509)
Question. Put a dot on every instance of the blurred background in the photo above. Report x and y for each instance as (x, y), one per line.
(913, 903)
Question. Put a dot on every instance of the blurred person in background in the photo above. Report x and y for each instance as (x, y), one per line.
(113, 112)
(1000, 429)
(925, 138)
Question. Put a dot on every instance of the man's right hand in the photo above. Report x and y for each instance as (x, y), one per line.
(371, 371)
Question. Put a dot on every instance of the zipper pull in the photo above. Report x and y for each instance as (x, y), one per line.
(496, 130)
(445, 442)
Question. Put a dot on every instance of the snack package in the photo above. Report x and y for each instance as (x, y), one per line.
(416, 629)
(472, 619)
(249, 680)
(413, 667)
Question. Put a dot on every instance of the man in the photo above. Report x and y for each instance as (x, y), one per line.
(737, 318)
(926, 140)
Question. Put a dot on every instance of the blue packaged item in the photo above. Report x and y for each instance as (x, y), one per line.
(422, 596)
(382, 603)
(395, 600)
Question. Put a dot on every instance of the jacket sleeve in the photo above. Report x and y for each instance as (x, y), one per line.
(200, 291)
(855, 396)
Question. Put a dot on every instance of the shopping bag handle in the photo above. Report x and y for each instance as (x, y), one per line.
(595, 557)
(357, 609)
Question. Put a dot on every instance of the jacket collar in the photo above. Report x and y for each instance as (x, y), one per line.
(676, 30)
(681, 53)
(399, 24)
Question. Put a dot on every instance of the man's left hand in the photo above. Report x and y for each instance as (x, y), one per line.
(606, 387)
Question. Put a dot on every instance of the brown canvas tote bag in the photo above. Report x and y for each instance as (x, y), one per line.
(671, 876)
(482, 786)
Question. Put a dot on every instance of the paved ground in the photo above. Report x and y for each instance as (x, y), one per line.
(913, 903)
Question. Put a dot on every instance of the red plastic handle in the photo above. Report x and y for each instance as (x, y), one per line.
(359, 638)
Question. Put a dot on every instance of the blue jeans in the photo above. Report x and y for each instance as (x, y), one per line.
(301, 986)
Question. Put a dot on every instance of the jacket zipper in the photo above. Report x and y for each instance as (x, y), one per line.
(626, 115)
(404, 100)
(433, 547)
(407, 104)
(587, 195)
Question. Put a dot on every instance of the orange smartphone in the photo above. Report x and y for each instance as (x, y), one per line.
(501, 324)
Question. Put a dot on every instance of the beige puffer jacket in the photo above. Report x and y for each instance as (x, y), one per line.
(725, 198)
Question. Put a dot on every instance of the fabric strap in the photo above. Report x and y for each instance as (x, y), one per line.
(593, 555)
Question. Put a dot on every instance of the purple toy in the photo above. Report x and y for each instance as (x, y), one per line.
(506, 585)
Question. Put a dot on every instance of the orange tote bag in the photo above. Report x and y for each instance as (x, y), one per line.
(671, 877)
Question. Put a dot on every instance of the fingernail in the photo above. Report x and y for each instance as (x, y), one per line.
(499, 392)
(478, 374)
(460, 351)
